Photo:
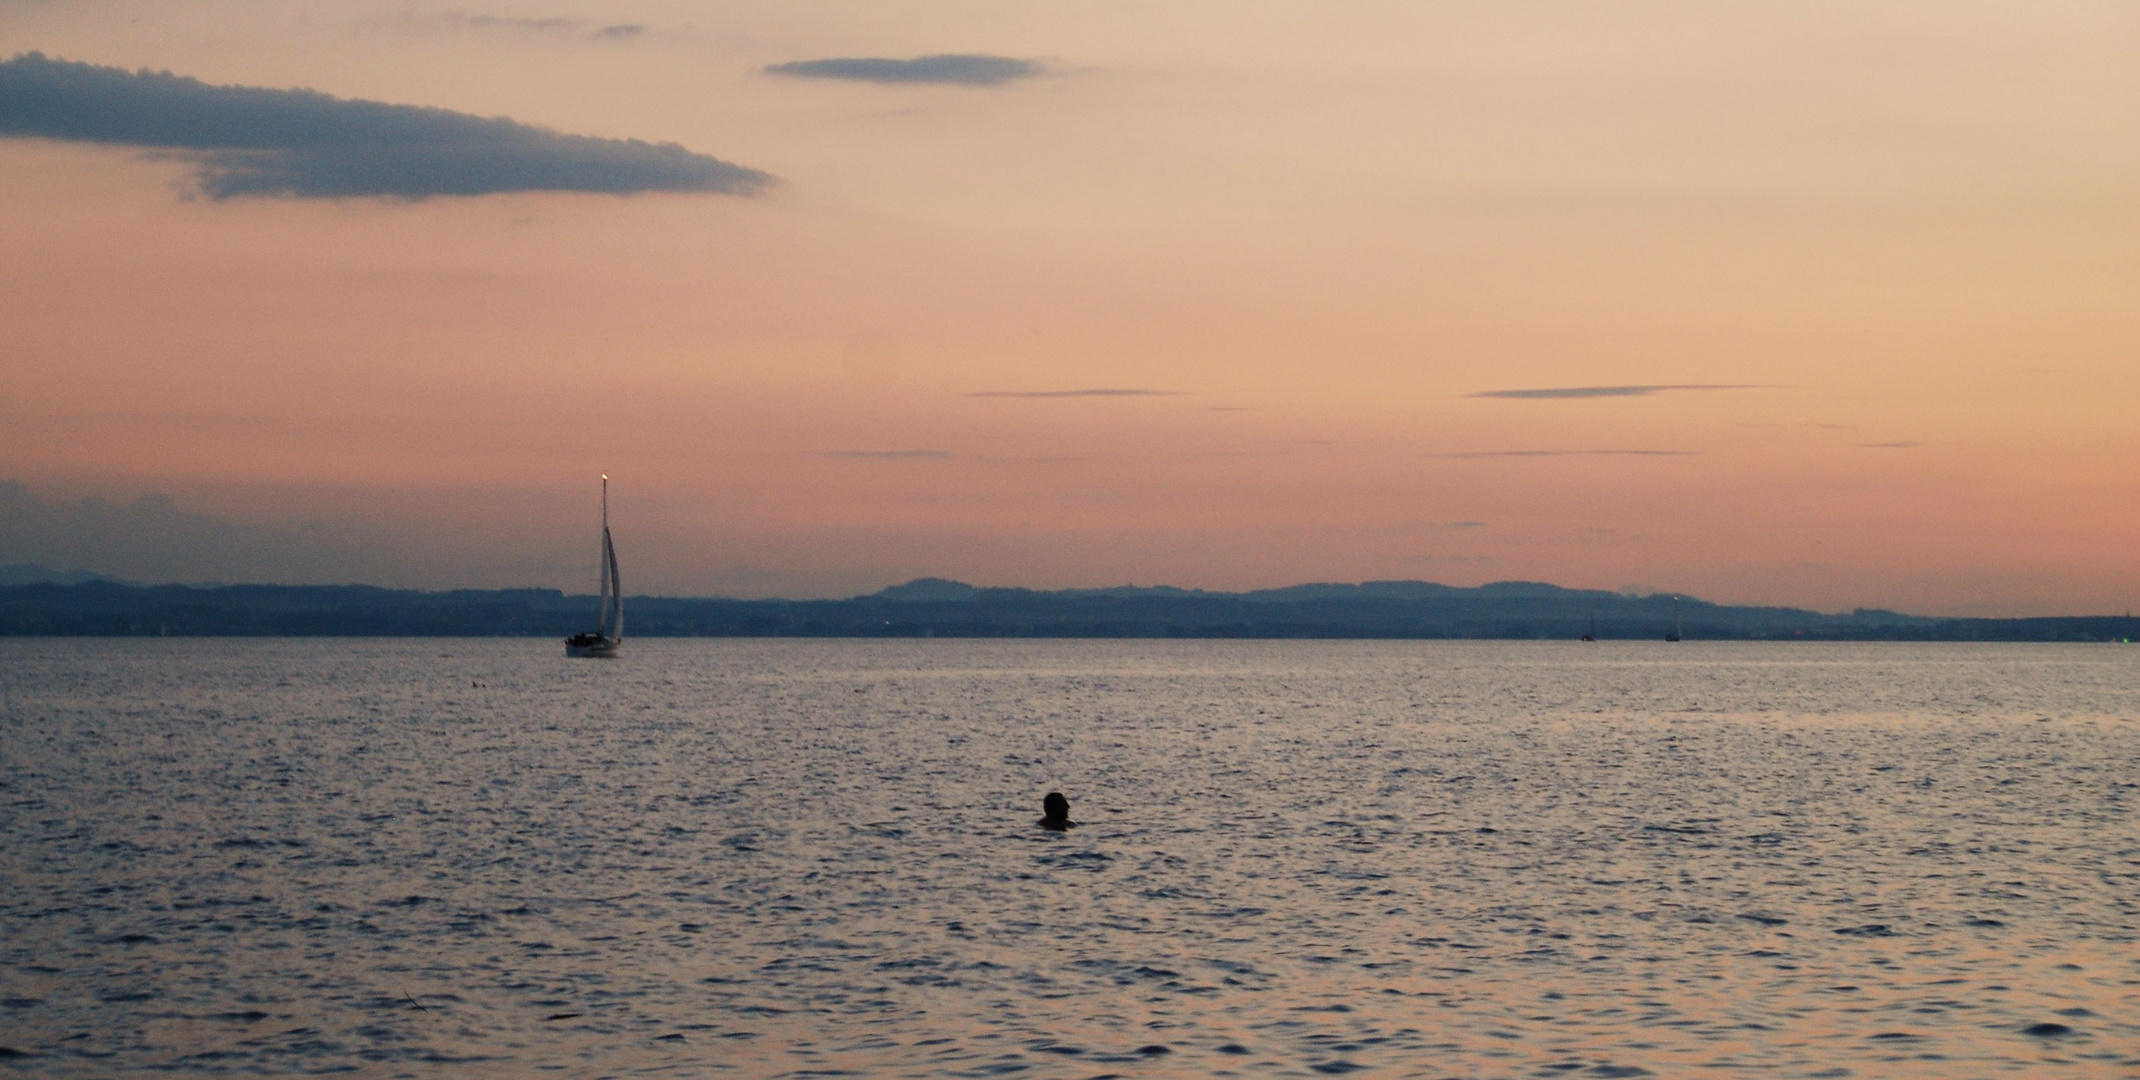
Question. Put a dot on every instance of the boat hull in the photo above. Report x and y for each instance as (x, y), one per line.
(601, 649)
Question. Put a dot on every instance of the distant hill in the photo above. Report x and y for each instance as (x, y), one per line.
(929, 588)
(939, 608)
(27, 573)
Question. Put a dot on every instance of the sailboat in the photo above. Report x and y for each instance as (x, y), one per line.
(1674, 635)
(1592, 633)
(608, 632)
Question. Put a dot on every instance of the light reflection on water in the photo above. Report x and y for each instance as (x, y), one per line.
(757, 858)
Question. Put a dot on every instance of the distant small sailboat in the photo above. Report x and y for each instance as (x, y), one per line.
(1592, 633)
(608, 632)
(1674, 635)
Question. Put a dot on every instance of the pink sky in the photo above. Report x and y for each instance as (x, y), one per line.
(1906, 236)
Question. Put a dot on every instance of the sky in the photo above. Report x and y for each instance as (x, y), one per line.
(1818, 304)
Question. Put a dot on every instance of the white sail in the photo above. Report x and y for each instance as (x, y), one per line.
(612, 623)
(608, 630)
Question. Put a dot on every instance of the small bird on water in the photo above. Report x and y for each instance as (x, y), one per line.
(1056, 812)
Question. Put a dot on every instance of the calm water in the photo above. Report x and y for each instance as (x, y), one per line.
(757, 858)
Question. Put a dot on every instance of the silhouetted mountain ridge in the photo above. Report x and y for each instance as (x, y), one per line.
(29, 573)
(945, 590)
(933, 607)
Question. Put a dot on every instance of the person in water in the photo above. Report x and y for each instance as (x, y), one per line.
(1056, 812)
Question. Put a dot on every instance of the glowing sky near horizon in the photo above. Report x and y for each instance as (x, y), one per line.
(1819, 304)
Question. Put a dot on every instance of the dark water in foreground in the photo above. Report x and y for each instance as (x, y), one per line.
(753, 858)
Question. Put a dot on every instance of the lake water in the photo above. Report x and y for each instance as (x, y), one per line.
(764, 858)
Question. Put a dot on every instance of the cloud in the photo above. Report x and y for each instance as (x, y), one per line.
(151, 539)
(505, 22)
(1564, 453)
(1464, 525)
(886, 455)
(1075, 393)
(965, 69)
(305, 144)
(550, 24)
(1885, 445)
(1610, 391)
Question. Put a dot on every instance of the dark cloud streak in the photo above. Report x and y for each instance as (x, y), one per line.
(1102, 393)
(1564, 453)
(963, 69)
(305, 144)
(1610, 391)
(507, 22)
(551, 24)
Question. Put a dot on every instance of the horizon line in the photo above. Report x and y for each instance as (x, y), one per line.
(1594, 594)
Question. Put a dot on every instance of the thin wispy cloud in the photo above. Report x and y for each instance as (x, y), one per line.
(960, 68)
(555, 24)
(1034, 459)
(505, 22)
(1100, 393)
(1564, 453)
(248, 141)
(1464, 525)
(1556, 392)
(892, 455)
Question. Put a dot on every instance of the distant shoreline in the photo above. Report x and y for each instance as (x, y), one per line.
(1370, 611)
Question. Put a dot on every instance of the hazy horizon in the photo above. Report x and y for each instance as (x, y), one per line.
(155, 539)
(1824, 306)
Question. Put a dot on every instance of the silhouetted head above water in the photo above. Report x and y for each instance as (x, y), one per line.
(1056, 812)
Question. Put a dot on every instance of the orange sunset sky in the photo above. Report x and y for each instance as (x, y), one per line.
(1819, 304)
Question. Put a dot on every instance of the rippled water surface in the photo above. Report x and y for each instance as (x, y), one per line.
(761, 858)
